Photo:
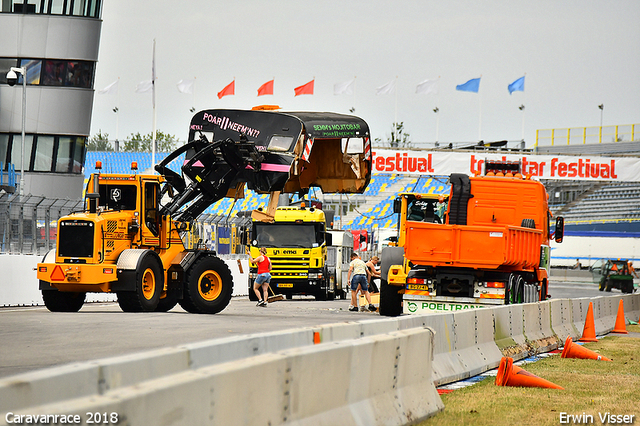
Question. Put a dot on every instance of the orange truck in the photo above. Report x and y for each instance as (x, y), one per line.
(486, 243)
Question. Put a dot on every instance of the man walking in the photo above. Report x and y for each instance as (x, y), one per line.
(357, 276)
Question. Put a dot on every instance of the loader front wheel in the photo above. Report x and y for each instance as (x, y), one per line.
(58, 301)
(148, 288)
(208, 287)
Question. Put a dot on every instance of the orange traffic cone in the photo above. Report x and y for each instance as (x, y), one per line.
(512, 375)
(621, 323)
(573, 350)
(589, 332)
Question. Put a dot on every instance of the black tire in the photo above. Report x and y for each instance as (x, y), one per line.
(608, 285)
(627, 288)
(544, 288)
(322, 294)
(390, 299)
(208, 287)
(516, 292)
(62, 301)
(168, 302)
(149, 283)
(252, 294)
(528, 223)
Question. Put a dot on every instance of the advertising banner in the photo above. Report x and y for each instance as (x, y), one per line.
(561, 167)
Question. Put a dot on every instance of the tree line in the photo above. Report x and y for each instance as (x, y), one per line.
(133, 143)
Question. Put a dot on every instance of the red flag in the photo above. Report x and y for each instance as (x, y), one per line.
(305, 89)
(230, 89)
(266, 89)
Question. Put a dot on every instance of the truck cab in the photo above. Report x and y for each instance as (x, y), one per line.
(296, 242)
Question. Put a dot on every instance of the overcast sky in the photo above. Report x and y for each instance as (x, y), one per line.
(576, 55)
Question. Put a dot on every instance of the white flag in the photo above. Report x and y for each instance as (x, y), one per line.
(110, 89)
(144, 86)
(427, 86)
(185, 86)
(345, 88)
(387, 89)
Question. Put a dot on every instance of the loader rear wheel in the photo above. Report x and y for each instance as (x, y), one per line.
(208, 287)
(148, 284)
(59, 301)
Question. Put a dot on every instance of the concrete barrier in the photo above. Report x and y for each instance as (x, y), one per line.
(632, 306)
(447, 365)
(509, 331)
(209, 378)
(375, 380)
(561, 319)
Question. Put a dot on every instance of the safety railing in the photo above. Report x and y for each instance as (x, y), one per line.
(588, 135)
(7, 177)
(28, 224)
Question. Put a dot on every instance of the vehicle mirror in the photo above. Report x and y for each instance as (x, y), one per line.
(559, 234)
(329, 239)
(397, 205)
(254, 243)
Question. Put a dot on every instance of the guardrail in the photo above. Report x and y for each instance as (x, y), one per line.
(588, 135)
(381, 371)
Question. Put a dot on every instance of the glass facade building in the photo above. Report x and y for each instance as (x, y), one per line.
(57, 42)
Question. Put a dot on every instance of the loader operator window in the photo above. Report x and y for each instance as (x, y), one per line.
(151, 218)
(118, 197)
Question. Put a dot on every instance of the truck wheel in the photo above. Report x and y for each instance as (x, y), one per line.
(390, 299)
(322, 294)
(60, 301)
(252, 294)
(515, 288)
(627, 288)
(608, 285)
(166, 303)
(149, 285)
(208, 287)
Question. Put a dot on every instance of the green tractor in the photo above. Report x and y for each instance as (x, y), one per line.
(614, 273)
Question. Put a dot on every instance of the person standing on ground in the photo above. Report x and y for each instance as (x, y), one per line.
(357, 276)
(372, 273)
(264, 276)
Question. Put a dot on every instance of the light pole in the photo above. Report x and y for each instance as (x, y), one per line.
(12, 79)
(601, 106)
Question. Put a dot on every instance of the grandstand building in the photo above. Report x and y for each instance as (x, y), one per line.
(57, 42)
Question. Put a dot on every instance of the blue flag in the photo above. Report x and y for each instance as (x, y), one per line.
(472, 85)
(516, 85)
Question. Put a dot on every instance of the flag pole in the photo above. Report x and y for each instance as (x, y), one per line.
(479, 114)
(153, 86)
(395, 125)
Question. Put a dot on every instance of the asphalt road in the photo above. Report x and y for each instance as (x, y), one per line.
(32, 337)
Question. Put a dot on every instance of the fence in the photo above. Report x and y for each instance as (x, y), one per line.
(28, 224)
(588, 135)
